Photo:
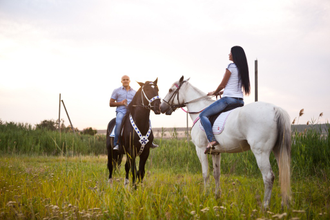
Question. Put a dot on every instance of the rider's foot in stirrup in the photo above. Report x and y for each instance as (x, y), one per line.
(116, 147)
(210, 147)
(153, 145)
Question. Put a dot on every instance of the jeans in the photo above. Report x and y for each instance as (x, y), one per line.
(119, 119)
(214, 108)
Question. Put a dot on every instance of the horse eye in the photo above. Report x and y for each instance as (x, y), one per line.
(170, 90)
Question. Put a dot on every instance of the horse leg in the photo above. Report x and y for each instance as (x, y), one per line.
(133, 169)
(267, 175)
(141, 171)
(110, 167)
(205, 165)
(127, 168)
(142, 163)
(110, 161)
(216, 159)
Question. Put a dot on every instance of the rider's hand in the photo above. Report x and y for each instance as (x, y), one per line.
(124, 102)
(210, 93)
(218, 93)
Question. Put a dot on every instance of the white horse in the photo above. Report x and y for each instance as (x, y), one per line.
(260, 127)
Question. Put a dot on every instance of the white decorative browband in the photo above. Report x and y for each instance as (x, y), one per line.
(143, 139)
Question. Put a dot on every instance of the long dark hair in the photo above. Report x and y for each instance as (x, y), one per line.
(239, 59)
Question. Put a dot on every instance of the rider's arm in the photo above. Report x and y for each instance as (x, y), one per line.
(113, 102)
(223, 83)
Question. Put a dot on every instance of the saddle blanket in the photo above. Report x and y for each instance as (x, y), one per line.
(219, 123)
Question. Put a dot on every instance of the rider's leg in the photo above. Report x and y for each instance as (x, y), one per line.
(212, 109)
(119, 118)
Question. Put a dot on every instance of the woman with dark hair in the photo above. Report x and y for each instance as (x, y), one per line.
(235, 79)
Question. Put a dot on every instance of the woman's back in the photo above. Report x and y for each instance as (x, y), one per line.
(234, 85)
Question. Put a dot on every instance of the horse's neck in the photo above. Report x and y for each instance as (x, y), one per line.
(192, 93)
(140, 115)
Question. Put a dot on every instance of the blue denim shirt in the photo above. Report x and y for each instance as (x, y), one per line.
(120, 94)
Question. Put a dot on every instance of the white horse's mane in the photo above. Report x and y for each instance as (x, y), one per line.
(200, 92)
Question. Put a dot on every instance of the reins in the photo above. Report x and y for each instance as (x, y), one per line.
(174, 107)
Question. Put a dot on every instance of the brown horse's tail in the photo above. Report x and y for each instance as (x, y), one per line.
(283, 153)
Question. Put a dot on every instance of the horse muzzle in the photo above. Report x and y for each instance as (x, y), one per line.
(157, 111)
(165, 108)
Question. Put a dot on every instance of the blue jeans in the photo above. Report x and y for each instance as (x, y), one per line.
(214, 108)
(119, 119)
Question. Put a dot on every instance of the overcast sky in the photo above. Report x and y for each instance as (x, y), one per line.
(81, 48)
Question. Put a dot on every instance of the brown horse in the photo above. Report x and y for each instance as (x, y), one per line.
(136, 135)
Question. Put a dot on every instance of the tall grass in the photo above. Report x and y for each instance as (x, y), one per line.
(73, 186)
(23, 139)
(310, 150)
(310, 153)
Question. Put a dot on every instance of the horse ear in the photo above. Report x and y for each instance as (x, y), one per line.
(187, 79)
(140, 83)
(181, 79)
(155, 82)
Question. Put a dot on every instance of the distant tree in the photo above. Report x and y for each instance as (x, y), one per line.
(47, 124)
(64, 128)
(69, 129)
(89, 131)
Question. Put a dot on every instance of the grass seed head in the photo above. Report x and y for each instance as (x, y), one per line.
(301, 112)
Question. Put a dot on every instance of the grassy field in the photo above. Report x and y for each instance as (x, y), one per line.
(45, 176)
(76, 188)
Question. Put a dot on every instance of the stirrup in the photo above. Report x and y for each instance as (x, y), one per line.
(210, 147)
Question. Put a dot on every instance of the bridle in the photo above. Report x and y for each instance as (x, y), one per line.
(181, 105)
(149, 106)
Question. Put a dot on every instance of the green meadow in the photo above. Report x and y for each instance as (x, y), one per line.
(47, 175)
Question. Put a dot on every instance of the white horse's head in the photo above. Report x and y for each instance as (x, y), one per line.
(175, 98)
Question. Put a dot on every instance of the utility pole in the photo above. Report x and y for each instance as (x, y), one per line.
(59, 114)
(256, 79)
(68, 117)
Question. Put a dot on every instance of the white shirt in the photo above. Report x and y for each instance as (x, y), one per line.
(234, 85)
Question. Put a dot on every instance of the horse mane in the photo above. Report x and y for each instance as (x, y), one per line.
(133, 102)
(200, 92)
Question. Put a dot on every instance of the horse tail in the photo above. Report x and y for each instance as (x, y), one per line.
(283, 152)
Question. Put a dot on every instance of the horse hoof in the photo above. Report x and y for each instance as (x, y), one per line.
(110, 181)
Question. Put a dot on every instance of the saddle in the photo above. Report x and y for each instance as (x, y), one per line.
(228, 108)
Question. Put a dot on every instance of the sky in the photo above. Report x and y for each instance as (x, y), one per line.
(81, 48)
